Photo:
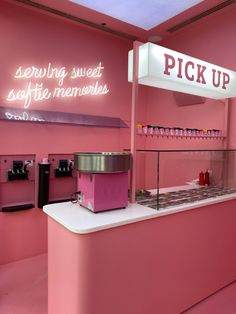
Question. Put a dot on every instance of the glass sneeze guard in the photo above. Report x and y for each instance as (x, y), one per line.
(167, 178)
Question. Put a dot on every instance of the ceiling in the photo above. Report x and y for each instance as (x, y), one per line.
(145, 14)
(83, 15)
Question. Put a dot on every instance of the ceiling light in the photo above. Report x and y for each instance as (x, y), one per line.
(154, 39)
(144, 14)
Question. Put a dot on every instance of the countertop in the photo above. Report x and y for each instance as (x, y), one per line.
(81, 220)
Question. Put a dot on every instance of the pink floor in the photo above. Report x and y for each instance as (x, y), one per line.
(23, 290)
(222, 302)
(23, 286)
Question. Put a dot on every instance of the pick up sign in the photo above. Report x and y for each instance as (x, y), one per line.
(168, 69)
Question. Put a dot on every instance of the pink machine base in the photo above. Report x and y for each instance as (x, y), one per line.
(106, 191)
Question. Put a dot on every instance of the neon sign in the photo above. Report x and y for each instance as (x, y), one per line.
(36, 90)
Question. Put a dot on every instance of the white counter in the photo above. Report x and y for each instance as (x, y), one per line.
(80, 220)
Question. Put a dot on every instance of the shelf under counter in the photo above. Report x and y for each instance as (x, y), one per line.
(80, 220)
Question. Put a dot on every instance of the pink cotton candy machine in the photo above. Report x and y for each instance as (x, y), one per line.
(102, 180)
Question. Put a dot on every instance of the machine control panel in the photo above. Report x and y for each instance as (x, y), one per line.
(19, 170)
(64, 169)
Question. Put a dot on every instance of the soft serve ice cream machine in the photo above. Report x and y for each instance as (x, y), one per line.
(102, 180)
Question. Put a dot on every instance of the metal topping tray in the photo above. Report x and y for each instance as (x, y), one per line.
(166, 200)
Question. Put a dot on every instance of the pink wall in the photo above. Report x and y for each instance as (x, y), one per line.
(33, 38)
(213, 40)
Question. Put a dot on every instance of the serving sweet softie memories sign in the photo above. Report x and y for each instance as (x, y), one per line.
(64, 83)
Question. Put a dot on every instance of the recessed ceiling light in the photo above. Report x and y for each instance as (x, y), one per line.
(144, 14)
(154, 39)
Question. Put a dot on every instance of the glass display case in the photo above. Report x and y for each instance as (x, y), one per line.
(167, 178)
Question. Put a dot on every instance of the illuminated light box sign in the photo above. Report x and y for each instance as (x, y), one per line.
(40, 116)
(168, 69)
(69, 83)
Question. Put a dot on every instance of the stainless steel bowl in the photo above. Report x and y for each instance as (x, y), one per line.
(102, 162)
